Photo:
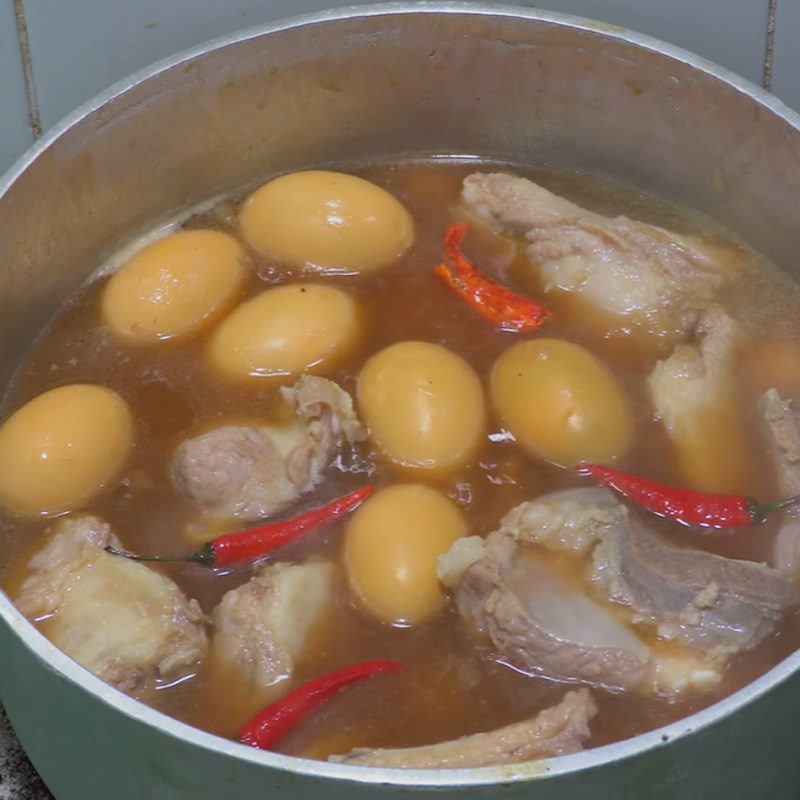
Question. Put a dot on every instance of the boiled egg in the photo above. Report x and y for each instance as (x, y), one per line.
(62, 447)
(330, 221)
(423, 404)
(561, 403)
(174, 286)
(391, 549)
(285, 331)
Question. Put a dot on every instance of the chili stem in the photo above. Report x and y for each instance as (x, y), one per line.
(258, 542)
(204, 556)
(760, 511)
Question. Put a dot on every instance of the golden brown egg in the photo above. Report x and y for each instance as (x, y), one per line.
(328, 220)
(174, 286)
(560, 402)
(285, 331)
(423, 404)
(391, 549)
(63, 446)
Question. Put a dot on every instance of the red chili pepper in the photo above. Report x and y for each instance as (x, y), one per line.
(512, 312)
(686, 506)
(233, 548)
(275, 721)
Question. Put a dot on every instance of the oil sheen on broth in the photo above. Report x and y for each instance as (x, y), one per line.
(453, 684)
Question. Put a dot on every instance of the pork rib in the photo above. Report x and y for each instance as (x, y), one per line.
(542, 626)
(570, 519)
(555, 731)
(694, 395)
(247, 473)
(715, 604)
(640, 272)
(783, 432)
(262, 628)
(125, 622)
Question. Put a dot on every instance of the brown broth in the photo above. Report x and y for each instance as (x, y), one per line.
(453, 685)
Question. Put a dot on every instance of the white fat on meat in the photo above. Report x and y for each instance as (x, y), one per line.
(127, 623)
(783, 433)
(570, 519)
(694, 395)
(681, 671)
(644, 274)
(247, 472)
(262, 628)
(453, 563)
(555, 731)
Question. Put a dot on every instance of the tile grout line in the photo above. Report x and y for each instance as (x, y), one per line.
(769, 51)
(34, 118)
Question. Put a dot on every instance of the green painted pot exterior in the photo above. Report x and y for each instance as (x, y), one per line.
(86, 749)
(517, 85)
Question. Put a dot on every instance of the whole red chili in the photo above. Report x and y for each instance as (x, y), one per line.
(686, 506)
(512, 312)
(248, 545)
(275, 721)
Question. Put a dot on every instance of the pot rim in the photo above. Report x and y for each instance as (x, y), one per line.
(71, 671)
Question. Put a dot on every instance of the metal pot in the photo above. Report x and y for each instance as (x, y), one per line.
(526, 86)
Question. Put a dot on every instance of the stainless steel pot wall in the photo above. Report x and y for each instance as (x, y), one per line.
(521, 85)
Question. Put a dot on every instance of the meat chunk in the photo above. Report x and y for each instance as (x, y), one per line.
(542, 626)
(783, 428)
(325, 408)
(715, 604)
(463, 553)
(555, 731)
(238, 472)
(248, 473)
(125, 622)
(707, 602)
(262, 628)
(694, 395)
(680, 671)
(571, 519)
(783, 433)
(646, 275)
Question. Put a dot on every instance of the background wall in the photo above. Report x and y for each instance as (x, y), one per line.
(54, 54)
